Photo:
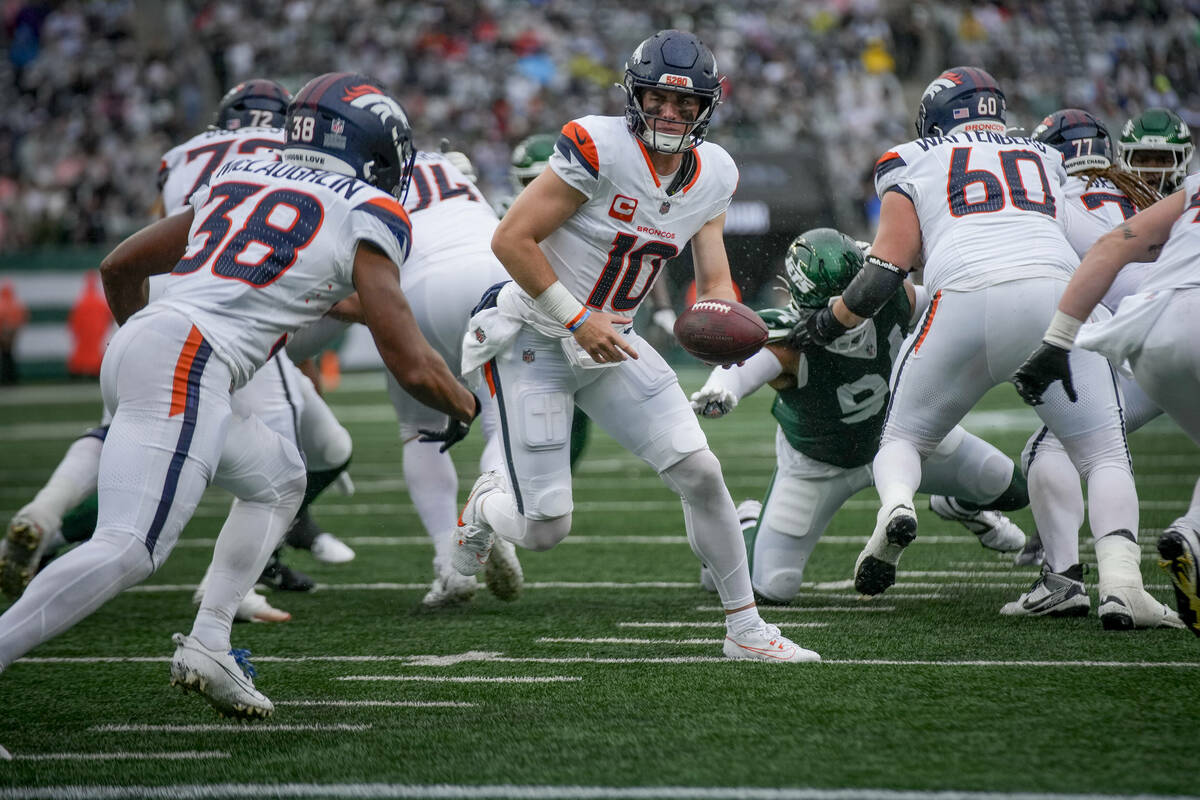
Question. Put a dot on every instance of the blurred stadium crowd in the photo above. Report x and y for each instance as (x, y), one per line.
(94, 91)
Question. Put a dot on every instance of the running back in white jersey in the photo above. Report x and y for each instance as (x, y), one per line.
(186, 168)
(1175, 267)
(991, 207)
(611, 250)
(270, 250)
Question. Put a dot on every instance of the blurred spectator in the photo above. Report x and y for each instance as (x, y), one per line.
(94, 91)
(13, 316)
(89, 322)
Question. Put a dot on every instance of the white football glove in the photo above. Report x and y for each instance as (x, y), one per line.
(713, 402)
(460, 161)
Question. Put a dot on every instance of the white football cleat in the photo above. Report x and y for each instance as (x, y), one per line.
(473, 536)
(995, 531)
(748, 512)
(1179, 549)
(225, 680)
(329, 549)
(503, 574)
(1033, 554)
(449, 588)
(764, 642)
(1053, 594)
(21, 550)
(1124, 602)
(875, 569)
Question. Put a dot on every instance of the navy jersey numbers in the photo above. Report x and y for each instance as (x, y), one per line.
(281, 224)
(426, 193)
(658, 253)
(993, 186)
(215, 153)
(1093, 201)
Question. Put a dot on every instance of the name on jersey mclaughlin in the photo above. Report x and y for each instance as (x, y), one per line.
(655, 232)
(346, 185)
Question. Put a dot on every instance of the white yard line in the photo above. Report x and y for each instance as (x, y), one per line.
(473, 656)
(231, 728)
(177, 755)
(465, 678)
(711, 624)
(376, 703)
(442, 791)
(615, 640)
(798, 609)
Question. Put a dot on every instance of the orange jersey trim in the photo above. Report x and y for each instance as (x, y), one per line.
(696, 176)
(583, 141)
(179, 385)
(388, 204)
(491, 382)
(928, 321)
(649, 163)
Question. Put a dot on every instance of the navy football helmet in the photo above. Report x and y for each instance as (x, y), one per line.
(344, 122)
(958, 96)
(257, 103)
(1082, 139)
(674, 61)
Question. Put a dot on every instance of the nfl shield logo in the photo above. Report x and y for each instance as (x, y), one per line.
(527, 356)
(665, 207)
(480, 336)
(338, 126)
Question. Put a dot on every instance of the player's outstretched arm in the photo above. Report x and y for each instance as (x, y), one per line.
(538, 211)
(154, 249)
(726, 386)
(713, 281)
(417, 366)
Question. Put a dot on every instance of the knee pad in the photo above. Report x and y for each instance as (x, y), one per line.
(543, 534)
(780, 584)
(548, 505)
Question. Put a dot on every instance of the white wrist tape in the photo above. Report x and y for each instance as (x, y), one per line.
(1062, 331)
(558, 303)
(741, 381)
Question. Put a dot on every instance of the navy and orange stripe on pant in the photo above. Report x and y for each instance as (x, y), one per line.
(185, 399)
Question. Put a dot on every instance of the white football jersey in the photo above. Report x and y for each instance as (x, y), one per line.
(611, 250)
(454, 223)
(186, 168)
(991, 207)
(271, 248)
(1175, 267)
(1096, 207)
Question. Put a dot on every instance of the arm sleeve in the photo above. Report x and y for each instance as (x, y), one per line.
(575, 158)
(742, 381)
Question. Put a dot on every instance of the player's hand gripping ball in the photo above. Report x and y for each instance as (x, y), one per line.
(720, 332)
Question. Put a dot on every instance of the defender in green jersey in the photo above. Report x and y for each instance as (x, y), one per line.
(830, 407)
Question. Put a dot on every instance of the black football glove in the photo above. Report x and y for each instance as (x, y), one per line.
(454, 432)
(816, 330)
(1044, 366)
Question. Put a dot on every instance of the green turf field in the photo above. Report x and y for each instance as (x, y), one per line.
(605, 678)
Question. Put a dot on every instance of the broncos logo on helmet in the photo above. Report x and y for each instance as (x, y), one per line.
(343, 122)
(960, 96)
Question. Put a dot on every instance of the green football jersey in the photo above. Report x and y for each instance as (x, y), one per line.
(835, 412)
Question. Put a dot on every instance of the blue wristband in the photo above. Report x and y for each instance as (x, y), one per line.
(579, 320)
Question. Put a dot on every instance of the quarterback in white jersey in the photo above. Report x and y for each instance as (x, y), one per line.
(986, 211)
(585, 242)
(269, 247)
(1156, 330)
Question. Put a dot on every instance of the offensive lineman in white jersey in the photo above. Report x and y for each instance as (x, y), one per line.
(985, 211)
(1107, 195)
(268, 248)
(1156, 330)
(584, 243)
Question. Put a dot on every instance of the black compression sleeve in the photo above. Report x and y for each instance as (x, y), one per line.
(872, 287)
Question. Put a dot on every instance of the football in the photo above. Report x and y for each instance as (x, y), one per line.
(720, 332)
